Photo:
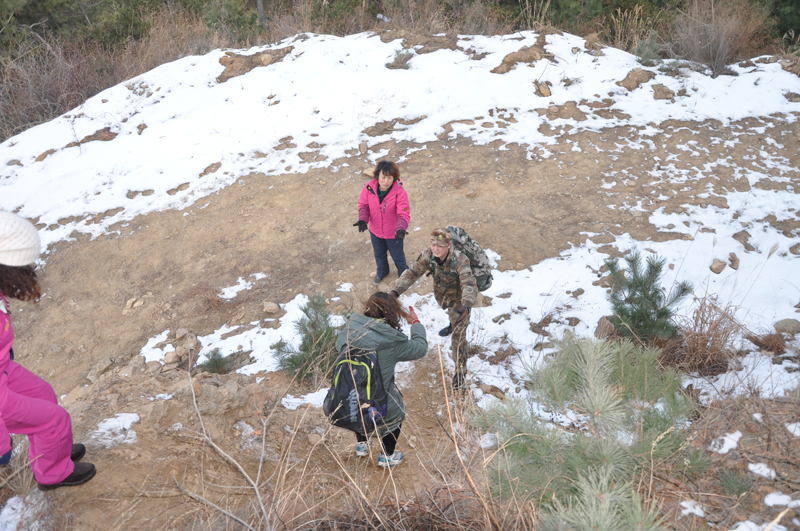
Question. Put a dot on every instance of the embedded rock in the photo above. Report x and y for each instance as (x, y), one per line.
(788, 326)
(271, 307)
(99, 368)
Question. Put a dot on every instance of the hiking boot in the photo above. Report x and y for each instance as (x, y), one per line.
(362, 449)
(458, 381)
(377, 280)
(393, 460)
(83, 472)
(446, 331)
(78, 451)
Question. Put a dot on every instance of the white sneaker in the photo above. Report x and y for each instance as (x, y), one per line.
(362, 449)
(393, 460)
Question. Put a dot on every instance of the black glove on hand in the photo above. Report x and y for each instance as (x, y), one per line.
(361, 224)
(400, 234)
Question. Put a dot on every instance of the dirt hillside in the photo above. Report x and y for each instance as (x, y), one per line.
(298, 230)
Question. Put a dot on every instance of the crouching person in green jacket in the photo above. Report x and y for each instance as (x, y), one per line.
(378, 329)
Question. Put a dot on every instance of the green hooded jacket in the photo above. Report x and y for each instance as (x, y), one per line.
(391, 346)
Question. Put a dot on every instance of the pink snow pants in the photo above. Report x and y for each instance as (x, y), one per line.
(32, 409)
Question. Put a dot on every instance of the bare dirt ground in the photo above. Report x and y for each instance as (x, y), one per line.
(298, 230)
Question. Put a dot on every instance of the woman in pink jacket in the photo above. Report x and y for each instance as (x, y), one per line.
(28, 404)
(383, 207)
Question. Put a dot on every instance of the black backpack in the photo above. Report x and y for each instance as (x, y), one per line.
(357, 399)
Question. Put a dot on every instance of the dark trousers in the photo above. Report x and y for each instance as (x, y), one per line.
(388, 441)
(395, 247)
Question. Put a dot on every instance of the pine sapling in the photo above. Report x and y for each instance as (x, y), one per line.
(642, 309)
(315, 355)
(216, 363)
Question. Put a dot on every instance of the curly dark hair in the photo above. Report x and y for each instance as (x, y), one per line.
(20, 282)
(384, 306)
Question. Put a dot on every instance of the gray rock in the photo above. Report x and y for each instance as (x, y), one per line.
(153, 367)
(180, 333)
(788, 326)
(271, 307)
(99, 368)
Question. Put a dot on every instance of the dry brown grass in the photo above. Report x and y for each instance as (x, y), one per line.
(719, 32)
(327, 490)
(765, 439)
(47, 77)
(16, 479)
(709, 337)
(628, 28)
(772, 342)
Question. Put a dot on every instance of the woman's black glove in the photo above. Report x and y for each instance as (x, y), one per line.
(400, 234)
(361, 224)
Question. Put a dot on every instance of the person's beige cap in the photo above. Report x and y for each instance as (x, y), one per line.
(440, 237)
(19, 240)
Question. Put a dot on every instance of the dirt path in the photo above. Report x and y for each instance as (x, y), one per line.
(297, 229)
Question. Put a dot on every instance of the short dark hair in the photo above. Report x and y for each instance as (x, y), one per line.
(388, 168)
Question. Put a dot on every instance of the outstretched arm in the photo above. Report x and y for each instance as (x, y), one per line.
(412, 274)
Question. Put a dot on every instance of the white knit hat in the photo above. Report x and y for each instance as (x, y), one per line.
(19, 240)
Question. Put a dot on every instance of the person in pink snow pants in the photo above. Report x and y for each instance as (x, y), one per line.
(383, 208)
(28, 404)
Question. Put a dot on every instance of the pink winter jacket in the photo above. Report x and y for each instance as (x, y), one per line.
(388, 217)
(6, 341)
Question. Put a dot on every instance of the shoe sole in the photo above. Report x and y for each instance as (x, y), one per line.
(389, 465)
(362, 454)
(74, 483)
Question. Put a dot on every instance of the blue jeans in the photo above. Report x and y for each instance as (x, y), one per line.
(395, 248)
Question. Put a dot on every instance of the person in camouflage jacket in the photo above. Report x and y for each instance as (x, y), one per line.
(454, 288)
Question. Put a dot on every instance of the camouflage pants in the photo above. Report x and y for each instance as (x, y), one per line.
(458, 346)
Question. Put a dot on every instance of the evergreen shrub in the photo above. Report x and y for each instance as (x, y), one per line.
(216, 363)
(313, 358)
(642, 309)
(232, 17)
(625, 414)
(734, 483)
(648, 50)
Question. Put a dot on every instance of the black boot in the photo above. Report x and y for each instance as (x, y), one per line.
(78, 451)
(446, 331)
(83, 472)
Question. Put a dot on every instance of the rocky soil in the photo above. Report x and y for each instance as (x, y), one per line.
(105, 297)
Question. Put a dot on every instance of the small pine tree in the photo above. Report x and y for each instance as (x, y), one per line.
(314, 357)
(216, 363)
(629, 414)
(648, 51)
(641, 308)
